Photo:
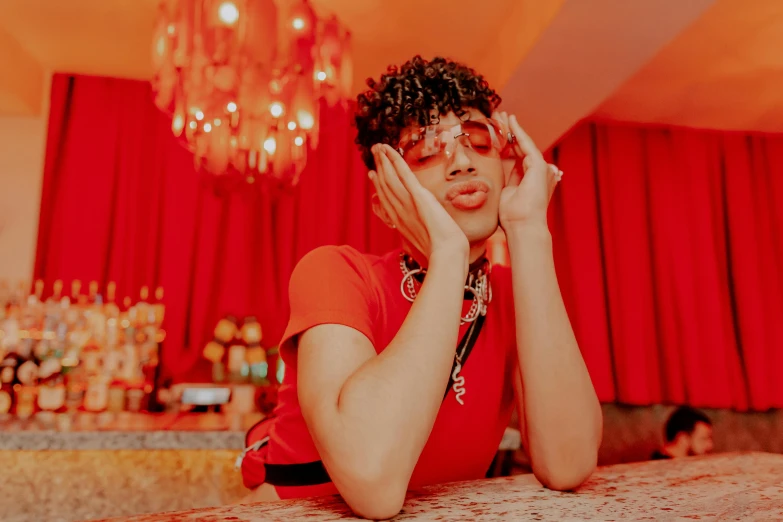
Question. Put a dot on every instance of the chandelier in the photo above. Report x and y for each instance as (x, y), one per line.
(243, 79)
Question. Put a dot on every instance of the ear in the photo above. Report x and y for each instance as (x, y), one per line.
(683, 439)
(379, 211)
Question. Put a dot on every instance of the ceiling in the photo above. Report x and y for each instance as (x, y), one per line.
(112, 37)
(701, 63)
(724, 72)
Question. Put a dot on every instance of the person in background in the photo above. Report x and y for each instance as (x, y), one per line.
(688, 433)
(402, 369)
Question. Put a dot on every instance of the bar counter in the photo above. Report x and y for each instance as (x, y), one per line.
(86, 466)
(744, 486)
(125, 430)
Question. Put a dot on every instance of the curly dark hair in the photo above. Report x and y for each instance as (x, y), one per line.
(407, 94)
(684, 420)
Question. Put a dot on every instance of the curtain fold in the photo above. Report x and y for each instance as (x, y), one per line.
(669, 243)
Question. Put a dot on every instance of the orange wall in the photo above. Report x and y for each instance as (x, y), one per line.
(22, 142)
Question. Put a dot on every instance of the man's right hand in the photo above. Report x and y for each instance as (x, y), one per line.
(414, 210)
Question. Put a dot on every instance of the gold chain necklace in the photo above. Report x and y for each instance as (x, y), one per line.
(477, 286)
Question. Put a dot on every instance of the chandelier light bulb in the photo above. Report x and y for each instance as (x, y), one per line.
(207, 127)
(298, 24)
(198, 114)
(291, 125)
(276, 109)
(177, 124)
(320, 76)
(228, 13)
(231, 107)
(160, 46)
(299, 141)
(270, 145)
(306, 120)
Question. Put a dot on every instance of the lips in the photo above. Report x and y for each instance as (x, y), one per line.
(468, 195)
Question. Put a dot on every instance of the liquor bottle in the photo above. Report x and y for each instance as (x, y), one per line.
(130, 367)
(143, 308)
(159, 309)
(256, 354)
(75, 381)
(152, 368)
(96, 397)
(51, 386)
(57, 291)
(111, 309)
(25, 398)
(8, 367)
(7, 398)
(76, 289)
(53, 308)
(215, 350)
(92, 291)
(238, 370)
(11, 338)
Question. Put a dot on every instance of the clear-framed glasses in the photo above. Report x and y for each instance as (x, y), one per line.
(435, 144)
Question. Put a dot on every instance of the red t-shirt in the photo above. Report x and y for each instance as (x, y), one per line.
(339, 285)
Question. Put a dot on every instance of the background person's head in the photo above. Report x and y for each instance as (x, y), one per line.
(439, 93)
(688, 432)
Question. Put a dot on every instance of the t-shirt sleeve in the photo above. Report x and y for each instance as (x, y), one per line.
(330, 285)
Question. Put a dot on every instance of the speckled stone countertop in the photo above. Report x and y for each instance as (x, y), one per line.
(108, 431)
(67, 486)
(121, 431)
(745, 486)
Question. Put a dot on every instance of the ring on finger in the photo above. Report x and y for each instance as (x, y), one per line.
(511, 138)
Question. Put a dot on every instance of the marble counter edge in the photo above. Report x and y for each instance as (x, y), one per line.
(121, 440)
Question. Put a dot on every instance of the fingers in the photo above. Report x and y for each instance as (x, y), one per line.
(394, 171)
(406, 176)
(524, 142)
(385, 197)
(556, 173)
(389, 187)
(502, 118)
(423, 201)
(411, 184)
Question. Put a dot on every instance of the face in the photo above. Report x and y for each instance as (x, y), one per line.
(465, 174)
(701, 439)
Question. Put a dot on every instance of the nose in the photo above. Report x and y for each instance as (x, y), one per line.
(460, 161)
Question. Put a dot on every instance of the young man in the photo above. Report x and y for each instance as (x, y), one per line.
(688, 433)
(374, 342)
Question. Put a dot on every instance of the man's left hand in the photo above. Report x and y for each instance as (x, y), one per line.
(530, 185)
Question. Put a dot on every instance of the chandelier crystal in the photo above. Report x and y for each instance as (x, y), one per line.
(243, 79)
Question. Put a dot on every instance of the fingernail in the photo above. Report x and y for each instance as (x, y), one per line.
(370, 174)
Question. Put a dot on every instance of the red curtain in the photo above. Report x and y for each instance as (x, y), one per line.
(122, 202)
(669, 248)
(668, 242)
